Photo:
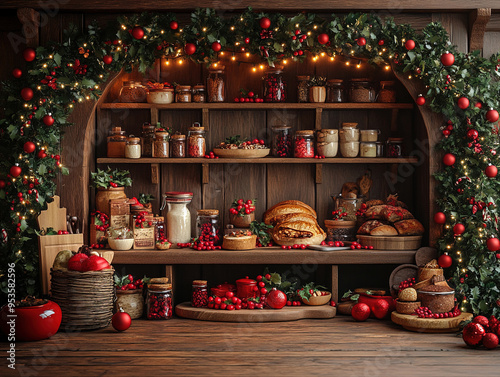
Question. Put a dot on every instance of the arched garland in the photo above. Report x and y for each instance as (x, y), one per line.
(462, 87)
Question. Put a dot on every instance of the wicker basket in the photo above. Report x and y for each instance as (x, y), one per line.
(85, 298)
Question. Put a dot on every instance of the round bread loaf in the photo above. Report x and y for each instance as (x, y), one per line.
(408, 295)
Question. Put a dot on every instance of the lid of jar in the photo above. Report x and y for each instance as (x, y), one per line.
(178, 197)
(305, 133)
(196, 129)
(332, 131)
(159, 287)
(148, 126)
(199, 87)
(208, 212)
(116, 129)
(349, 125)
(134, 140)
(183, 87)
(335, 81)
(370, 131)
(163, 280)
(246, 281)
(302, 78)
(395, 139)
(281, 128)
(200, 282)
(388, 83)
(161, 134)
(178, 137)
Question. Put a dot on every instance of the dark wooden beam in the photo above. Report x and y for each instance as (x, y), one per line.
(30, 20)
(478, 19)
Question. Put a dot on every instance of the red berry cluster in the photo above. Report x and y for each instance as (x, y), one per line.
(338, 214)
(209, 234)
(101, 221)
(231, 302)
(282, 145)
(425, 312)
(302, 246)
(62, 232)
(113, 184)
(303, 148)
(478, 205)
(362, 210)
(249, 97)
(258, 244)
(301, 37)
(50, 81)
(140, 221)
(131, 285)
(80, 69)
(332, 243)
(98, 246)
(211, 155)
(408, 283)
(356, 245)
(243, 207)
(200, 245)
(319, 157)
(448, 129)
(293, 303)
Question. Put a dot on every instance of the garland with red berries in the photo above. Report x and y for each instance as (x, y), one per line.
(462, 87)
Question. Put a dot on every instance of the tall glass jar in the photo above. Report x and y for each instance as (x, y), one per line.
(387, 92)
(304, 144)
(132, 91)
(178, 145)
(160, 145)
(215, 85)
(362, 90)
(208, 226)
(335, 91)
(116, 142)
(303, 88)
(199, 93)
(147, 139)
(274, 85)
(178, 216)
(133, 147)
(200, 294)
(159, 301)
(282, 141)
(183, 94)
(159, 223)
(196, 143)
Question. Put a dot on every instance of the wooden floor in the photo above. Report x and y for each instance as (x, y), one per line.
(181, 347)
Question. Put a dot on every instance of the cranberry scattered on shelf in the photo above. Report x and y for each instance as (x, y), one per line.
(425, 312)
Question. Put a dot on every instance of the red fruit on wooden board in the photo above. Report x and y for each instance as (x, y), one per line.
(492, 115)
(491, 171)
(75, 263)
(29, 54)
(95, 263)
(490, 341)
(380, 309)
(29, 147)
(15, 171)
(27, 94)
(420, 100)
(48, 120)
(361, 41)
(121, 321)
(360, 312)
(276, 299)
(447, 59)
(138, 32)
(323, 38)
(473, 334)
(440, 218)
(458, 228)
(463, 103)
(174, 25)
(216, 46)
(445, 261)
(190, 48)
(107, 59)
(16, 72)
(493, 244)
(449, 159)
(482, 320)
(265, 23)
(410, 44)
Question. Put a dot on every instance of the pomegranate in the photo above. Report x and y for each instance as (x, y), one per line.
(276, 299)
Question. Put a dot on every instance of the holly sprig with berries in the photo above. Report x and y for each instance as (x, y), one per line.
(242, 207)
(308, 290)
(111, 178)
(127, 282)
(339, 214)
(262, 231)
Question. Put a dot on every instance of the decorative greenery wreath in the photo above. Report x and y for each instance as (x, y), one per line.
(462, 87)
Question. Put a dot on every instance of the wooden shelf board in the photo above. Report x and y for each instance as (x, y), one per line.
(265, 160)
(267, 255)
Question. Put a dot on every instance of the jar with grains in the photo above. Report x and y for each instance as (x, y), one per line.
(178, 216)
(349, 149)
(147, 139)
(282, 141)
(183, 93)
(329, 149)
(162, 96)
(160, 145)
(199, 93)
(200, 294)
(159, 301)
(131, 301)
(208, 227)
(327, 135)
(362, 90)
(335, 91)
(394, 147)
(348, 134)
(133, 147)
(274, 85)
(196, 143)
(369, 135)
(216, 90)
(132, 91)
(387, 92)
(178, 145)
(368, 149)
(116, 142)
(304, 144)
(303, 88)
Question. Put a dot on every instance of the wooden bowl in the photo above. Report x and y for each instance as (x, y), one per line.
(241, 153)
(390, 243)
(317, 300)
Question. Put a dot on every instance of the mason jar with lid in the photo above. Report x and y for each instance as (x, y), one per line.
(196, 143)
(362, 90)
(178, 145)
(369, 135)
(178, 216)
(274, 85)
(304, 144)
(303, 88)
(199, 93)
(387, 92)
(349, 149)
(132, 91)
(183, 93)
(368, 149)
(133, 147)
(208, 226)
(335, 91)
(199, 294)
(147, 139)
(116, 142)
(348, 134)
(159, 301)
(394, 147)
(160, 145)
(216, 91)
(282, 141)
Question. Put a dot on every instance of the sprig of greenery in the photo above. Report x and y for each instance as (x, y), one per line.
(261, 230)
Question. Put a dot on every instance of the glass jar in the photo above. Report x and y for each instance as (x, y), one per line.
(369, 135)
(131, 301)
(183, 94)
(282, 141)
(335, 91)
(387, 92)
(199, 294)
(162, 96)
(349, 149)
(208, 226)
(116, 142)
(216, 90)
(368, 149)
(348, 134)
(349, 205)
(340, 230)
(147, 139)
(199, 93)
(132, 91)
(178, 145)
(303, 88)
(394, 147)
(327, 135)
(304, 144)
(380, 149)
(160, 145)
(274, 86)
(196, 143)
(246, 288)
(178, 216)
(159, 223)
(327, 149)
(362, 90)
(159, 301)
(133, 147)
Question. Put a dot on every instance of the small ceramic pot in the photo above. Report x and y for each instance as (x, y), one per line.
(241, 221)
(246, 288)
(221, 289)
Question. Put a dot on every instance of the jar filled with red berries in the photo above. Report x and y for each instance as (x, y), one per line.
(208, 227)
(282, 141)
(159, 301)
(274, 85)
(196, 143)
(200, 294)
(304, 144)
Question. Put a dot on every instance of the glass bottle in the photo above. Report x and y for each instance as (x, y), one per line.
(116, 143)
(147, 139)
(133, 147)
(160, 145)
(200, 294)
(159, 301)
(335, 91)
(274, 85)
(303, 88)
(196, 143)
(304, 144)
(178, 145)
(208, 226)
(178, 216)
(159, 223)
(282, 141)
(215, 85)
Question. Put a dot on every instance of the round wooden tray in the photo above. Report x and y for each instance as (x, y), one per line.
(288, 313)
(413, 323)
(391, 243)
(241, 153)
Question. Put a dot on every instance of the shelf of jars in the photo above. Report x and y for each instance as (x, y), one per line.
(264, 160)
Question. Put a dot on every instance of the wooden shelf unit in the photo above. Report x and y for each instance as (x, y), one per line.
(265, 160)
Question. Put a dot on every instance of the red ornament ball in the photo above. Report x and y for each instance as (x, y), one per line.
(29, 147)
(48, 120)
(27, 94)
(458, 229)
(360, 312)
(121, 321)
(472, 134)
(380, 309)
(361, 41)
(138, 32)
(2, 184)
(490, 341)
(449, 159)
(247, 40)
(440, 218)
(463, 103)
(29, 54)
(482, 320)
(16, 72)
(445, 261)
(107, 59)
(493, 244)
(491, 171)
(479, 105)
(420, 100)
(265, 23)
(190, 48)
(15, 171)
(447, 59)
(381, 42)
(323, 38)
(41, 153)
(492, 115)
(473, 334)
(216, 46)
(410, 44)
(174, 25)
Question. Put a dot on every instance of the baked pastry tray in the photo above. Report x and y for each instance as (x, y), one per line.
(328, 248)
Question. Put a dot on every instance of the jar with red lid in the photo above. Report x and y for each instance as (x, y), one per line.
(246, 288)
(200, 294)
(304, 144)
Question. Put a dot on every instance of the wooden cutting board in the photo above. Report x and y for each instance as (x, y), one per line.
(53, 216)
(413, 323)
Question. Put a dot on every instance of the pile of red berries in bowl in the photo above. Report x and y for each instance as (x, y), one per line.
(248, 96)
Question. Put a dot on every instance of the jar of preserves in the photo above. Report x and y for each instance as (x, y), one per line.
(133, 147)
(335, 91)
(208, 226)
(183, 93)
(178, 145)
(159, 301)
(362, 90)
(368, 149)
(282, 141)
(216, 90)
(304, 144)
(303, 88)
(162, 96)
(178, 216)
(394, 147)
(160, 145)
(199, 93)
(246, 288)
(196, 143)
(132, 91)
(274, 85)
(387, 92)
(116, 142)
(147, 139)
(327, 135)
(200, 294)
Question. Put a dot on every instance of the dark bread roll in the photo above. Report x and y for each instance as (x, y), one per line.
(411, 227)
(367, 226)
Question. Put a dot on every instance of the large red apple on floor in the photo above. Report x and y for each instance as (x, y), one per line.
(360, 312)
